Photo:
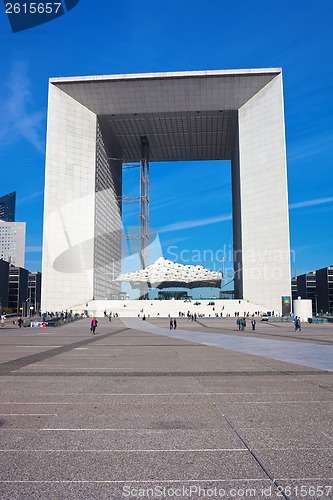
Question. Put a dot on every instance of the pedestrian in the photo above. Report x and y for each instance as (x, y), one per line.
(296, 323)
(174, 324)
(2, 321)
(299, 324)
(253, 323)
(238, 323)
(20, 322)
(110, 317)
(171, 323)
(93, 325)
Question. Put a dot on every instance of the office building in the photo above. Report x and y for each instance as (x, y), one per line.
(294, 293)
(12, 242)
(307, 289)
(7, 207)
(34, 291)
(324, 282)
(4, 279)
(18, 290)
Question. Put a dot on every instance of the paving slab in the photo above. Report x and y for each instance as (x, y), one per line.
(132, 408)
(106, 490)
(99, 465)
(305, 354)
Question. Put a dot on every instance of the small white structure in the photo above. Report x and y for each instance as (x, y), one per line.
(303, 309)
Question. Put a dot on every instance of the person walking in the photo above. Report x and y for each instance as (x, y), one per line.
(296, 323)
(2, 321)
(174, 324)
(93, 325)
(253, 323)
(171, 323)
(20, 322)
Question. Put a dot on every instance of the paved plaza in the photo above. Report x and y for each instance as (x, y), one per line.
(139, 411)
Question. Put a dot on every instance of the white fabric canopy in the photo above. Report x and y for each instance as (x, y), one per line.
(165, 274)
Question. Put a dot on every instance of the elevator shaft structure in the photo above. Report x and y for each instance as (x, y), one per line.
(144, 208)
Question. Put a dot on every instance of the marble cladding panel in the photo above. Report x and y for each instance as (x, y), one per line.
(68, 233)
(263, 197)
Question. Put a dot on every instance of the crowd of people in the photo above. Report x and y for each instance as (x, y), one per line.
(241, 323)
(66, 316)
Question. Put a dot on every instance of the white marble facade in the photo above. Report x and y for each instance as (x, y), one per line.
(69, 205)
(95, 122)
(264, 223)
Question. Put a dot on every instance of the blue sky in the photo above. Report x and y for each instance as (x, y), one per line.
(191, 205)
